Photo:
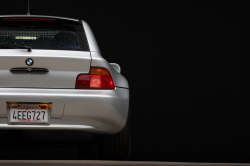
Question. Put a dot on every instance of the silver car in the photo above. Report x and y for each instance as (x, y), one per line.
(55, 85)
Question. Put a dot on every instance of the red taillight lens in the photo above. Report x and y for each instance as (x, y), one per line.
(28, 19)
(98, 78)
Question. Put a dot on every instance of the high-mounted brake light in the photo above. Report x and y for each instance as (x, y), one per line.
(28, 19)
(98, 78)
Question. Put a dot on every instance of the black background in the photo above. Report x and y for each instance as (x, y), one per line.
(182, 61)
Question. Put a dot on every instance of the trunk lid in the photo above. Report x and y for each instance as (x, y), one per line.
(63, 66)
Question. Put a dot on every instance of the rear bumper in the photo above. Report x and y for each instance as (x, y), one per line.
(96, 111)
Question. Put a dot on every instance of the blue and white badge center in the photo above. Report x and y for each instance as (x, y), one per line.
(29, 62)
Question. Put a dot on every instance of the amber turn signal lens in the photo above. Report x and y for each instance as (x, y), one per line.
(99, 71)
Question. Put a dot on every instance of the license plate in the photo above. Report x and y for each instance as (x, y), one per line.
(29, 113)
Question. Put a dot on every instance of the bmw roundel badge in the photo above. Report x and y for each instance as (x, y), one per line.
(29, 61)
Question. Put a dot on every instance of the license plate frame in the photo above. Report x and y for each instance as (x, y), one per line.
(8, 104)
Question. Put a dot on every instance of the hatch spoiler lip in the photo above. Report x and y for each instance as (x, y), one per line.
(42, 16)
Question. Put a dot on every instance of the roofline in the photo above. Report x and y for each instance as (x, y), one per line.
(64, 18)
(93, 46)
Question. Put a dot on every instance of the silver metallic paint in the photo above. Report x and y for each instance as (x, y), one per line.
(58, 108)
(116, 67)
(63, 66)
(93, 46)
(105, 110)
(3, 109)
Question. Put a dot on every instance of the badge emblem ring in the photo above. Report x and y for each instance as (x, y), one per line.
(29, 62)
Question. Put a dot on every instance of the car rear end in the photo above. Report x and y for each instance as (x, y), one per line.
(63, 84)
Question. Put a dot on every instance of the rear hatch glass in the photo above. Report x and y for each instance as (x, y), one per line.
(52, 34)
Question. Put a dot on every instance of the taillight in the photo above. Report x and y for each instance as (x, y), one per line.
(98, 78)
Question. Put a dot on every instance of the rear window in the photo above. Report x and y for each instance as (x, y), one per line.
(57, 35)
